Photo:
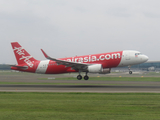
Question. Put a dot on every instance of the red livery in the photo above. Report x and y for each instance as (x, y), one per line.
(95, 63)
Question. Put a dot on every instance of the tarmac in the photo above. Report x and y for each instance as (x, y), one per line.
(91, 86)
(80, 88)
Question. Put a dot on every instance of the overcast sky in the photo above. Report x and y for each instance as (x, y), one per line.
(65, 28)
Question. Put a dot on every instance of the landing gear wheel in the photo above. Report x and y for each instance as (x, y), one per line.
(79, 77)
(86, 77)
(130, 72)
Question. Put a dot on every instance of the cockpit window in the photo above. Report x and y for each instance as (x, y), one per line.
(136, 54)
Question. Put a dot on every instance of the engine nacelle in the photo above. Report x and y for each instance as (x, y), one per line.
(96, 68)
(106, 71)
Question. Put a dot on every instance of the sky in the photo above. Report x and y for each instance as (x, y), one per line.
(65, 28)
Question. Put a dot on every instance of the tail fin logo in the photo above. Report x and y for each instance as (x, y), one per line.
(20, 51)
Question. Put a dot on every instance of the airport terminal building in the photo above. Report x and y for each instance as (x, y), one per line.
(148, 66)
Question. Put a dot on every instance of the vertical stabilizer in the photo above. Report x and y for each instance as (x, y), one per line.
(22, 56)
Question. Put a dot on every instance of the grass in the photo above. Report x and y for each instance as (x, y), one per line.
(140, 79)
(131, 79)
(79, 106)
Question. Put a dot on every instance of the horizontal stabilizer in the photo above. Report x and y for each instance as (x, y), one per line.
(21, 67)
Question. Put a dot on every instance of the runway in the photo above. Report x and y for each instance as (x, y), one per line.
(22, 82)
(80, 88)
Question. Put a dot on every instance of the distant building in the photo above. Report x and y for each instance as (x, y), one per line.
(148, 66)
(4, 67)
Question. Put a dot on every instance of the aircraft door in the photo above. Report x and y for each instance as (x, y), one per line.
(127, 55)
(36, 67)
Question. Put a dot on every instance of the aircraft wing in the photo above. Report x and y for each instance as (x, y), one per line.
(74, 65)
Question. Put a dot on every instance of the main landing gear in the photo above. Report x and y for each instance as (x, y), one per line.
(130, 72)
(79, 77)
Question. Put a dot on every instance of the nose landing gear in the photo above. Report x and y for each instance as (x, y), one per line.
(130, 72)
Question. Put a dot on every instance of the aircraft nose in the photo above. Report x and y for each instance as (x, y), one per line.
(145, 58)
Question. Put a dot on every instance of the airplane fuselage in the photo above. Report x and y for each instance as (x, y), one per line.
(95, 63)
(107, 60)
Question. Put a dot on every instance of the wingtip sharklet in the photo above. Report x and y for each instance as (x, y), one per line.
(44, 53)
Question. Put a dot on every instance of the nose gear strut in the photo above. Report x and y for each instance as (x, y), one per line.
(130, 72)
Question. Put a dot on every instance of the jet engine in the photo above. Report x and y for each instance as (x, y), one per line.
(96, 68)
(106, 71)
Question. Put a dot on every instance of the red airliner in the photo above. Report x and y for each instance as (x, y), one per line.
(95, 63)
